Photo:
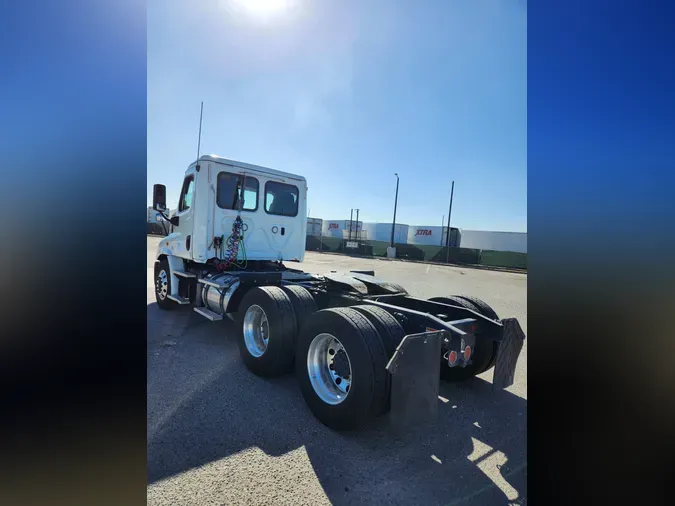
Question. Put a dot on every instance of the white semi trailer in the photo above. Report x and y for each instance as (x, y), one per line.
(354, 340)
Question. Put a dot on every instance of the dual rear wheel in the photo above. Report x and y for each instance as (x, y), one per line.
(341, 367)
(270, 317)
(485, 350)
(340, 354)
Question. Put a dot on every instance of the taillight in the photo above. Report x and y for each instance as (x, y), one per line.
(467, 353)
(452, 357)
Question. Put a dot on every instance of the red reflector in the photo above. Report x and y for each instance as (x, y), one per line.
(467, 353)
(473, 329)
(452, 357)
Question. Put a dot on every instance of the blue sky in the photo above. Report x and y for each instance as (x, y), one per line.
(346, 93)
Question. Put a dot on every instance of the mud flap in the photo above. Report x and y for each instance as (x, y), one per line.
(507, 356)
(415, 370)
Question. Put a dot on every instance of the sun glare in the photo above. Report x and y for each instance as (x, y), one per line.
(264, 6)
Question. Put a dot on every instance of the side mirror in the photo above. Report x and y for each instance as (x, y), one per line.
(159, 197)
(174, 220)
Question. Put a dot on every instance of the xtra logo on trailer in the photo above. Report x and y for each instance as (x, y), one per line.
(423, 231)
(333, 225)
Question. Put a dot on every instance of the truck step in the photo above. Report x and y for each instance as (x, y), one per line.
(179, 299)
(216, 284)
(185, 274)
(207, 313)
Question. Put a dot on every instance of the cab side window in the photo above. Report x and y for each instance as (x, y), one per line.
(186, 194)
(281, 199)
(229, 186)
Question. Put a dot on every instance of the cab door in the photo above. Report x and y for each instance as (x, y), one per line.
(182, 246)
(283, 230)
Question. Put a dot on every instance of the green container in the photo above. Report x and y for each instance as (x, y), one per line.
(455, 256)
(377, 248)
(314, 243)
(409, 251)
(507, 259)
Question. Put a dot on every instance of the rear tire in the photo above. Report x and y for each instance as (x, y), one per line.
(482, 306)
(487, 311)
(163, 285)
(456, 301)
(268, 329)
(303, 303)
(482, 353)
(390, 330)
(366, 357)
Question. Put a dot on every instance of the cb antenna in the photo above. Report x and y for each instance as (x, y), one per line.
(199, 141)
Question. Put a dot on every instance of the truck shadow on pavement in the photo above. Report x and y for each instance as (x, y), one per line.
(204, 405)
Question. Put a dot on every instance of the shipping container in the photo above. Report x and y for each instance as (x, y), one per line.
(432, 235)
(340, 228)
(314, 226)
(496, 241)
(382, 232)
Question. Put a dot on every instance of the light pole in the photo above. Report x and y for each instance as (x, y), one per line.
(442, 227)
(356, 233)
(447, 237)
(393, 223)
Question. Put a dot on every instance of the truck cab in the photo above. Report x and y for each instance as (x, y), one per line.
(272, 211)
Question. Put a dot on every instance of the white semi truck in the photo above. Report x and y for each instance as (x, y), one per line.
(360, 346)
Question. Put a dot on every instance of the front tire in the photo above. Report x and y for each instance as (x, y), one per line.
(341, 368)
(163, 285)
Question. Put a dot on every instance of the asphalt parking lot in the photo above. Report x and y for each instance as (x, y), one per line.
(218, 435)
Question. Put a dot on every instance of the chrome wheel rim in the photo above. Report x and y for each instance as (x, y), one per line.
(162, 285)
(329, 368)
(256, 330)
